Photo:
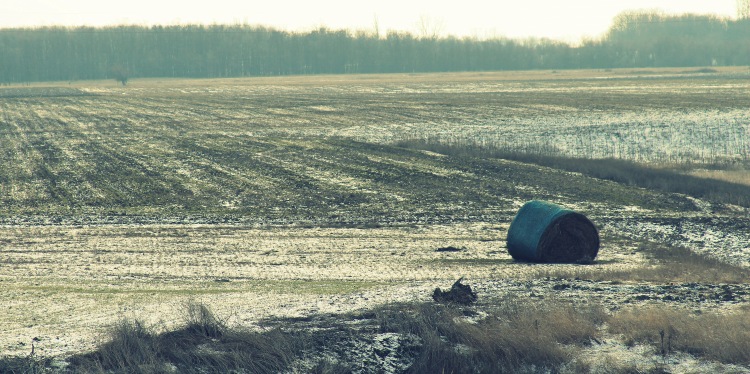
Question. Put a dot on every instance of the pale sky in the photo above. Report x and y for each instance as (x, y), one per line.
(566, 20)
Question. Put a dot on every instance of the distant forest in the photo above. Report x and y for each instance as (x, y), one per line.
(636, 39)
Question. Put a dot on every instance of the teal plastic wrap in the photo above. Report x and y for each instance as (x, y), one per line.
(546, 232)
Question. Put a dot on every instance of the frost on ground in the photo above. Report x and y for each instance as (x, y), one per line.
(363, 353)
(724, 238)
(612, 356)
(286, 198)
(76, 281)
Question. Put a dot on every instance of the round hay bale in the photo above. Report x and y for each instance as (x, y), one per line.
(545, 232)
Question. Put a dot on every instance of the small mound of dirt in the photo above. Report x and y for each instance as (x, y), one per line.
(459, 294)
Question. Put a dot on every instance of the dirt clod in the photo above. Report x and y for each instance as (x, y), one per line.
(449, 248)
(459, 294)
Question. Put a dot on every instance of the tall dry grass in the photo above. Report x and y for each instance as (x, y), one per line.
(133, 348)
(204, 344)
(669, 265)
(519, 335)
(31, 364)
(671, 180)
(723, 337)
(732, 176)
(513, 335)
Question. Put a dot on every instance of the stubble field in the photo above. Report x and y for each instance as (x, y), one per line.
(293, 196)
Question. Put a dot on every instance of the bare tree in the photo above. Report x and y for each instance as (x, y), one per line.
(376, 27)
(430, 28)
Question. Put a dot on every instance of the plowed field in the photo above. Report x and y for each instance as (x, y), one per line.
(288, 196)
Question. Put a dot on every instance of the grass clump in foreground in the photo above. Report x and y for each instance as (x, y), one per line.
(511, 335)
(518, 335)
(25, 365)
(204, 344)
(720, 337)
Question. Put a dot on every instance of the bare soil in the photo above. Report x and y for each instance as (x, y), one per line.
(285, 197)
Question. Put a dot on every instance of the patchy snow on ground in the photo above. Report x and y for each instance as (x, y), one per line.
(724, 238)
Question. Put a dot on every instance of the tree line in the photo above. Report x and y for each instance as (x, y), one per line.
(201, 51)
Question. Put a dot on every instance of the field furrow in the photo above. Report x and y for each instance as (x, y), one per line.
(289, 196)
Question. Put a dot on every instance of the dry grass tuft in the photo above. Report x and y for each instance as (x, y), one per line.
(132, 348)
(611, 364)
(516, 335)
(204, 344)
(670, 265)
(721, 337)
(513, 335)
(679, 264)
(202, 321)
(30, 364)
(738, 176)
